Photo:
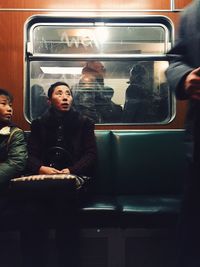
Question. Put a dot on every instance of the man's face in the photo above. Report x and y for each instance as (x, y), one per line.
(61, 98)
(6, 109)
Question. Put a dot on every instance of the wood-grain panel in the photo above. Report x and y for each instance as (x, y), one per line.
(87, 4)
(180, 4)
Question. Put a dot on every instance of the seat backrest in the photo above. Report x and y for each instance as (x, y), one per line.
(149, 161)
(103, 183)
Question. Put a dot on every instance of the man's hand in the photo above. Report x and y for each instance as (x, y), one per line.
(65, 171)
(192, 84)
(48, 170)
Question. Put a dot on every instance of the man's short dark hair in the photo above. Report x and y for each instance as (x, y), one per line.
(6, 93)
(53, 86)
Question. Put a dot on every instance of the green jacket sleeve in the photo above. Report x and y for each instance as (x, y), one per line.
(15, 163)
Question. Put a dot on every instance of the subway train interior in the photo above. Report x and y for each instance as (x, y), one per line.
(139, 123)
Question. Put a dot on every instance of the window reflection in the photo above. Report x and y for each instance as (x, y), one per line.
(107, 92)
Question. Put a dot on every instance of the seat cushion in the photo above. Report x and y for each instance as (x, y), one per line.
(100, 211)
(149, 211)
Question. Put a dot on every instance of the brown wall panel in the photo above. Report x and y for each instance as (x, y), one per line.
(180, 4)
(11, 71)
(11, 51)
(87, 4)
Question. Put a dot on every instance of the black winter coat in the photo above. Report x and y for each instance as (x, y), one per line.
(78, 139)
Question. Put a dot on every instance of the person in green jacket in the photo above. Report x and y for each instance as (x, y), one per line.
(13, 151)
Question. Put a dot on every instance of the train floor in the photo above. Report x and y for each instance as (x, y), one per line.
(105, 247)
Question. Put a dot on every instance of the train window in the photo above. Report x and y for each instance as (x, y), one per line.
(115, 67)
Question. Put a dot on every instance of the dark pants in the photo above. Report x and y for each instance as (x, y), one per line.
(58, 213)
(189, 226)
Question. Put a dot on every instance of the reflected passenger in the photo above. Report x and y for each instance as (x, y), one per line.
(138, 102)
(84, 94)
(113, 112)
(39, 103)
(91, 97)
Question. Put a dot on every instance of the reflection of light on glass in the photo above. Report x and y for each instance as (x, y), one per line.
(101, 34)
(160, 68)
(84, 32)
(61, 70)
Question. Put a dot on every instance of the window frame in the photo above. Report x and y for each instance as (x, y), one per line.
(150, 20)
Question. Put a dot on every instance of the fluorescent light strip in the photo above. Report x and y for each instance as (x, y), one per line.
(62, 70)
